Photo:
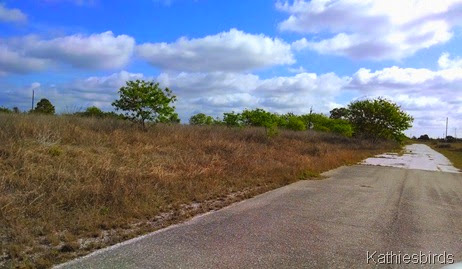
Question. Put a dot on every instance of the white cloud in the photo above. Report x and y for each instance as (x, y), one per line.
(445, 62)
(218, 92)
(106, 83)
(96, 51)
(73, 95)
(298, 70)
(227, 51)
(430, 96)
(371, 29)
(17, 62)
(11, 15)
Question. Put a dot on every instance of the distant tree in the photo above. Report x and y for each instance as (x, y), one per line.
(144, 101)
(379, 119)
(16, 110)
(259, 117)
(96, 112)
(294, 123)
(322, 123)
(339, 113)
(4, 110)
(93, 111)
(201, 119)
(424, 137)
(232, 119)
(44, 106)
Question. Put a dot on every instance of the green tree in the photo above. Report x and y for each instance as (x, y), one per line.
(96, 112)
(296, 124)
(201, 119)
(379, 118)
(424, 137)
(322, 123)
(144, 101)
(292, 122)
(93, 111)
(259, 117)
(339, 113)
(44, 106)
(232, 119)
(4, 110)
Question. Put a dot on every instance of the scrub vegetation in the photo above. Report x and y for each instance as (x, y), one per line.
(71, 184)
(449, 147)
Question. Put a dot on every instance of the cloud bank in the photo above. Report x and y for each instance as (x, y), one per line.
(371, 29)
(227, 51)
(11, 15)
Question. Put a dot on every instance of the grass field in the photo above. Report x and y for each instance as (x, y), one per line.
(452, 151)
(71, 185)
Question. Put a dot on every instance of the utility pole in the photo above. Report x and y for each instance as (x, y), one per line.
(33, 96)
(447, 120)
(310, 124)
(455, 133)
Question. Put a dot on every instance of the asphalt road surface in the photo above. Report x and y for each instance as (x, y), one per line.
(359, 216)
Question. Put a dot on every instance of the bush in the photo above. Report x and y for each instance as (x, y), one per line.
(144, 101)
(424, 137)
(379, 119)
(201, 119)
(44, 106)
(294, 123)
(232, 119)
(323, 123)
(259, 118)
(96, 112)
(93, 111)
(4, 110)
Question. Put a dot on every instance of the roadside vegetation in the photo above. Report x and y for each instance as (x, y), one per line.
(71, 184)
(450, 147)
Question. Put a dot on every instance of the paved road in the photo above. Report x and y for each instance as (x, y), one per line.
(416, 156)
(329, 223)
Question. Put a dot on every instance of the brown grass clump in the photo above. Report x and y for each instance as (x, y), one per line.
(70, 185)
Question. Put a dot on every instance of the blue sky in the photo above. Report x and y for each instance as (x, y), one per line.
(217, 56)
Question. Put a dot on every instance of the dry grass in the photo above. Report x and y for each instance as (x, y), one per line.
(452, 151)
(70, 185)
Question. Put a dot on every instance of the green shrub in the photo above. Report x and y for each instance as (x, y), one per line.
(323, 123)
(44, 106)
(379, 119)
(4, 110)
(259, 117)
(232, 119)
(201, 119)
(295, 123)
(96, 112)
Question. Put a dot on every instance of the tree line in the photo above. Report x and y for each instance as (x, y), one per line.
(146, 102)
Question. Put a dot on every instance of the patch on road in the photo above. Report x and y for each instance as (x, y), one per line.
(416, 156)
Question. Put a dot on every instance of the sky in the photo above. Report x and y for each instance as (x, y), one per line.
(221, 56)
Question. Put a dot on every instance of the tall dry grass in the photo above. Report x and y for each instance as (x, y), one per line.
(64, 179)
